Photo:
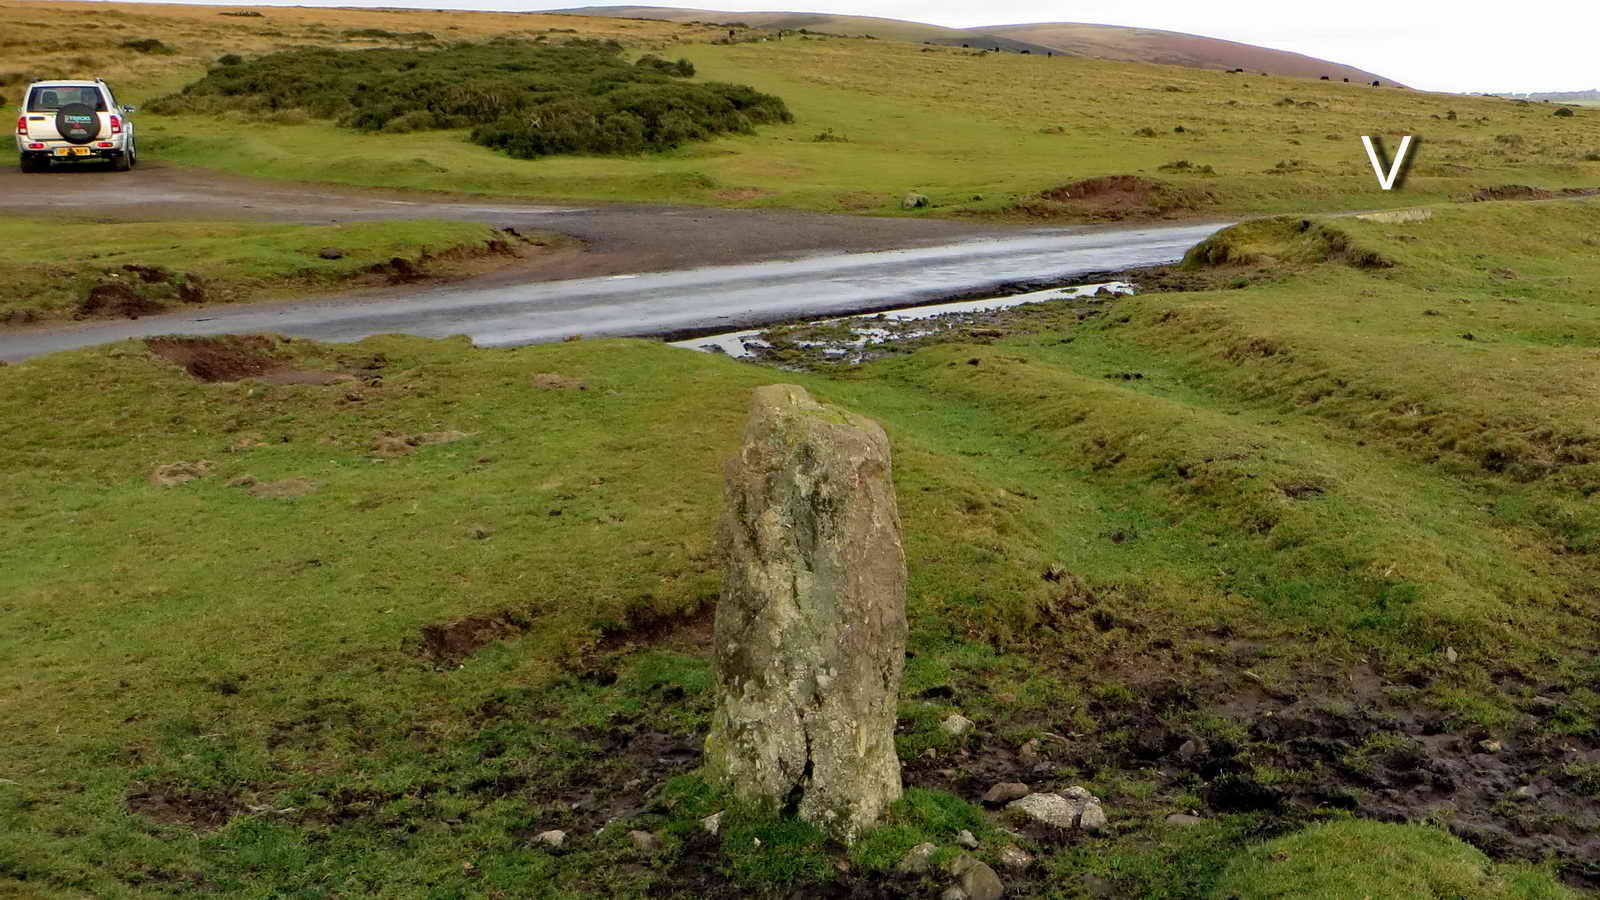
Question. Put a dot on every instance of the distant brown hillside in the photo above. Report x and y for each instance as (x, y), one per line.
(1098, 41)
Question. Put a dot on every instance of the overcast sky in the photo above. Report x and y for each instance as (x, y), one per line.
(1440, 45)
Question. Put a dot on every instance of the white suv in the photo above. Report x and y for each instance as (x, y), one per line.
(74, 120)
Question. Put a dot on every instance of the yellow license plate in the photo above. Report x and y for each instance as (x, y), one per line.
(73, 151)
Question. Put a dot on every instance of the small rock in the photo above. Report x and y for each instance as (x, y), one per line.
(956, 725)
(1490, 746)
(1014, 857)
(712, 823)
(1526, 792)
(953, 892)
(1093, 819)
(1077, 809)
(552, 838)
(1190, 749)
(1005, 792)
(966, 839)
(1450, 655)
(1184, 820)
(1545, 704)
(1047, 809)
(331, 253)
(916, 859)
(644, 841)
(976, 880)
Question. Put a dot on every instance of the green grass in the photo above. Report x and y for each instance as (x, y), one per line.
(1358, 859)
(953, 126)
(50, 267)
(959, 127)
(1312, 471)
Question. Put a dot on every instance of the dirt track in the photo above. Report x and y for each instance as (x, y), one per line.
(621, 238)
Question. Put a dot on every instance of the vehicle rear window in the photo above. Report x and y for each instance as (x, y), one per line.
(49, 98)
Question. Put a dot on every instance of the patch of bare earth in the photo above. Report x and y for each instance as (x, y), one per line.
(552, 381)
(1525, 192)
(448, 644)
(167, 804)
(1113, 198)
(235, 358)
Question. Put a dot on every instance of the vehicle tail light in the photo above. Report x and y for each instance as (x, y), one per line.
(35, 146)
(116, 125)
(104, 144)
(22, 125)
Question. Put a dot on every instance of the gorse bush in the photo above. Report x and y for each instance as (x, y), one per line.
(147, 45)
(528, 99)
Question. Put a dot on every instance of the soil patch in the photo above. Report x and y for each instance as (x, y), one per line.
(552, 381)
(283, 489)
(213, 359)
(448, 644)
(1114, 198)
(176, 805)
(179, 472)
(117, 299)
(1525, 192)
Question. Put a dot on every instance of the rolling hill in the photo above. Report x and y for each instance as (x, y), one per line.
(1071, 39)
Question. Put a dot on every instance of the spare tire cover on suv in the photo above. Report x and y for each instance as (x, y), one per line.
(77, 123)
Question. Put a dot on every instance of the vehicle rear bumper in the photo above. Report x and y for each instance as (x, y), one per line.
(31, 148)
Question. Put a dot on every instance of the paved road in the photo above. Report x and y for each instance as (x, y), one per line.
(673, 291)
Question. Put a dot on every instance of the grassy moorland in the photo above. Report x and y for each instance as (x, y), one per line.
(979, 134)
(1314, 543)
(58, 269)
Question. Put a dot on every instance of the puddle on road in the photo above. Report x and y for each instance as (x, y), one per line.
(855, 339)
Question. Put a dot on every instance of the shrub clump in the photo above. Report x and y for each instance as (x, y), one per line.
(1284, 239)
(680, 69)
(527, 99)
(147, 45)
(242, 13)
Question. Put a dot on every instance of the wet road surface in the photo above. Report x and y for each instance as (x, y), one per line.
(710, 299)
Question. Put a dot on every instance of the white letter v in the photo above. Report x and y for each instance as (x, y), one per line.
(1387, 181)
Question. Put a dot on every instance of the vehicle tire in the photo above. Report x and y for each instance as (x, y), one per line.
(30, 163)
(133, 153)
(77, 123)
(122, 163)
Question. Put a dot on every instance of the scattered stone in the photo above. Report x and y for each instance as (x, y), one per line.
(1014, 857)
(552, 838)
(644, 841)
(953, 892)
(1190, 749)
(914, 201)
(1184, 820)
(1005, 792)
(177, 473)
(967, 839)
(712, 823)
(976, 879)
(1526, 792)
(1077, 809)
(1490, 746)
(810, 631)
(1047, 809)
(1093, 818)
(956, 725)
(331, 253)
(1450, 655)
(917, 859)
